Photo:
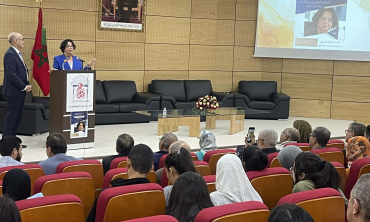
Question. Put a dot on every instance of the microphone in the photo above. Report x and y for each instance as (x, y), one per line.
(65, 60)
(79, 59)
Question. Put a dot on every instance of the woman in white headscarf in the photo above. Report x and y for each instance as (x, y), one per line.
(207, 142)
(232, 184)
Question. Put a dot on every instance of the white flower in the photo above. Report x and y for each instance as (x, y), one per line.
(200, 103)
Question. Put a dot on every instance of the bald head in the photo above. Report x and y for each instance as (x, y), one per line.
(12, 37)
(176, 146)
(290, 134)
(16, 40)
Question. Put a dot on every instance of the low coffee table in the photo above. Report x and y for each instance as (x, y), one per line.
(187, 117)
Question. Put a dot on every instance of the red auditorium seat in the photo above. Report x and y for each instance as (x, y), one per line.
(130, 202)
(358, 167)
(335, 143)
(324, 205)
(122, 173)
(58, 208)
(34, 170)
(273, 160)
(330, 154)
(342, 172)
(302, 146)
(93, 167)
(244, 211)
(272, 184)
(211, 157)
(211, 182)
(78, 183)
(119, 162)
(160, 218)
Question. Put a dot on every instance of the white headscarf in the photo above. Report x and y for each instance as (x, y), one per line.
(232, 184)
(207, 141)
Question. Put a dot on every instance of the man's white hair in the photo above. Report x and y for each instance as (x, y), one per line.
(12, 36)
(269, 137)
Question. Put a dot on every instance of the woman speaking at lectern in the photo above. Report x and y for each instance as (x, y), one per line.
(67, 61)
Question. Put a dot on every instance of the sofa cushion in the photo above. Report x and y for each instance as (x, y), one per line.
(185, 105)
(197, 88)
(258, 90)
(119, 91)
(99, 92)
(129, 107)
(262, 105)
(106, 108)
(173, 88)
(46, 113)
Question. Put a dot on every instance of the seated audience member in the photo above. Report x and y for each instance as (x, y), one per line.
(319, 138)
(207, 142)
(8, 210)
(139, 164)
(124, 144)
(56, 149)
(289, 213)
(311, 172)
(11, 151)
(267, 139)
(287, 156)
(254, 159)
(175, 165)
(304, 129)
(367, 133)
(17, 185)
(289, 135)
(164, 144)
(359, 203)
(355, 129)
(188, 197)
(357, 148)
(232, 184)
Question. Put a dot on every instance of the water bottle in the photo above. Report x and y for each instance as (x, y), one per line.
(164, 112)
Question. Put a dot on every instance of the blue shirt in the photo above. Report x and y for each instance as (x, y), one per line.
(9, 161)
(50, 165)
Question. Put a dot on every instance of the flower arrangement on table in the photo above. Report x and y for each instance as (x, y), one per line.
(206, 104)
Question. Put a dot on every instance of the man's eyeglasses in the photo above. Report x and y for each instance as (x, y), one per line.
(259, 140)
(346, 131)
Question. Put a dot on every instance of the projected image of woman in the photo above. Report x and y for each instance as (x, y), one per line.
(325, 20)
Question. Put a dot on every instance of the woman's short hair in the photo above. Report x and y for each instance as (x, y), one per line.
(8, 210)
(289, 213)
(320, 13)
(64, 44)
(83, 124)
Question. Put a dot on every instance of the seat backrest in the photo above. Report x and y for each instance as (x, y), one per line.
(303, 146)
(99, 92)
(194, 156)
(161, 161)
(343, 174)
(122, 173)
(93, 167)
(197, 88)
(275, 163)
(330, 154)
(358, 167)
(130, 202)
(211, 182)
(119, 162)
(244, 211)
(160, 218)
(212, 157)
(324, 205)
(271, 157)
(272, 184)
(119, 91)
(202, 167)
(335, 143)
(80, 184)
(34, 171)
(58, 208)
(174, 88)
(258, 90)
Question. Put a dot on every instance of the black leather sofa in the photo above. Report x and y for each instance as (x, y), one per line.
(182, 94)
(35, 116)
(115, 101)
(261, 100)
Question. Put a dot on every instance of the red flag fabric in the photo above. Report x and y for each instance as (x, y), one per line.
(40, 59)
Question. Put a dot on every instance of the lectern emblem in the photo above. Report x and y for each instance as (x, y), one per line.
(80, 91)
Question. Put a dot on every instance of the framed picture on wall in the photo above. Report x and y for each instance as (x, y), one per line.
(122, 15)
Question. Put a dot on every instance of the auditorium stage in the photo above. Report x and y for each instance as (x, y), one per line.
(106, 135)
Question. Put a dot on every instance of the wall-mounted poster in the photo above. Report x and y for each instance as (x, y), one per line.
(80, 92)
(79, 124)
(126, 15)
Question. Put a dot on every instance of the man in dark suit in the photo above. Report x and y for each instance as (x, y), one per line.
(15, 84)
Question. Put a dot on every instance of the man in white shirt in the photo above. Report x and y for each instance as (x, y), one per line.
(289, 135)
(11, 151)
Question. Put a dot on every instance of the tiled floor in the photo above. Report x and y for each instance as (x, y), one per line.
(105, 136)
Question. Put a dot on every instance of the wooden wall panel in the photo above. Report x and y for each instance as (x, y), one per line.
(212, 32)
(166, 57)
(119, 36)
(221, 81)
(358, 112)
(214, 9)
(350, 88)
(256, 76)
(245, 33)
(26, 52)
(211, 58)
(246, 9)
(310, 108)
(1, 77)
(243, 61)
(119, 56)
(178, 8)
(306, 86)
(85, 5)
(25, 23)
(167, 30)
(308, 66)
(351, 68)
(137, 76)
(176, 75)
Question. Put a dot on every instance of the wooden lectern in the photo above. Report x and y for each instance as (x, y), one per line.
(60, 119)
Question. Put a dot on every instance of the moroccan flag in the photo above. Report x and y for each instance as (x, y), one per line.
(40, 58)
